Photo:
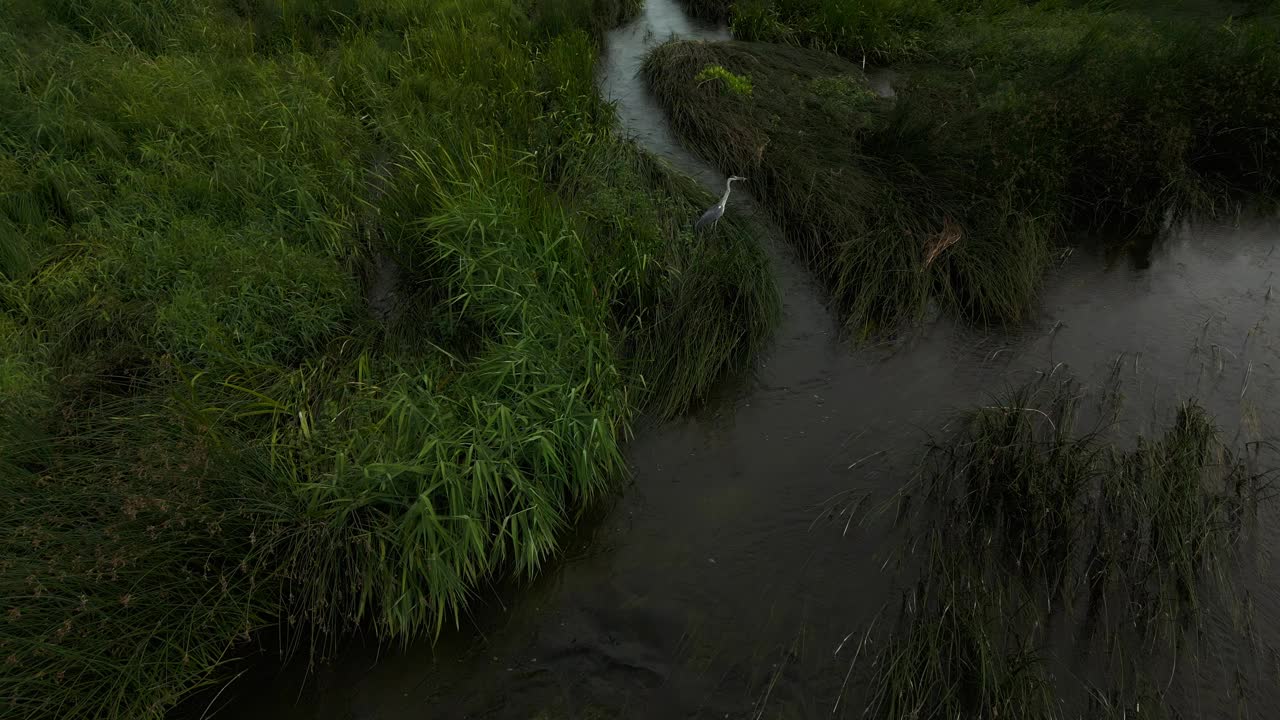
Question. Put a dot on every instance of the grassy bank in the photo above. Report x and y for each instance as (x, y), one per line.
(205, 428)
(1035, 527)
(885, 212)
(1010, 124)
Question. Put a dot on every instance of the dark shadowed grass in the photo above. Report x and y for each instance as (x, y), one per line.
(132, 557)
(205, 429)
(892, 31)
(716, 302)
(1009, 124)
(709, 9)
(880, 31)
(1031, 517)
(1142, 117)
(1142, 108)
(884, 211)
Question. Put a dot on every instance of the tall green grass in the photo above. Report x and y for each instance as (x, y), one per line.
(881, 30)
(891, 31)
(1142, 108)
(863, 186)
(1142, 116)
(1010, 123)
(1035, 518)
(207, 431)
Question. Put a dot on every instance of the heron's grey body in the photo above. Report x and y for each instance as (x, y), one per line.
(709, 217)
(713, 213)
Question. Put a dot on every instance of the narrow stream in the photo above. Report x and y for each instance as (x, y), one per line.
(717, 586)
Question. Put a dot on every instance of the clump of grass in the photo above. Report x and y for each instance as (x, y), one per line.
(205, 430)
(861, 185)
(1026, 520)
(735, 84)
(709, 9)
(1067, 505)
(959, 648)
(845, 94)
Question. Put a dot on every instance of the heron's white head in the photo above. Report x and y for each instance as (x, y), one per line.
(736, 177)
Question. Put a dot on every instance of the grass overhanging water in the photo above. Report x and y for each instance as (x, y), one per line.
(1034, 526)
(208, 428)
(205, 429)
(1011, 124)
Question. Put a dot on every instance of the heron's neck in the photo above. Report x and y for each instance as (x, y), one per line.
(728, 185)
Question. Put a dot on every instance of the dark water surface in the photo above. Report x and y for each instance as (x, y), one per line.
(723, 581)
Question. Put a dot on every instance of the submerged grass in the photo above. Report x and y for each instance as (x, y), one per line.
(205, 429)
(1010, 123)
(1025, 521)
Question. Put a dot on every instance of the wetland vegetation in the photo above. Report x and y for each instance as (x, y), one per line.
(1012, 123)
(205, 431)
(317, 316)
(1035, 521)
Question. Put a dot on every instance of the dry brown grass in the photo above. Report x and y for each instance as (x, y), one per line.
(949, 235)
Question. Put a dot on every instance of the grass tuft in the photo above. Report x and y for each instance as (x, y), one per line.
(1026, 523)
(738, 85)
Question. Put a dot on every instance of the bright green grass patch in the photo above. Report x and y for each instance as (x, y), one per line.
(736, 84)
(207, 430)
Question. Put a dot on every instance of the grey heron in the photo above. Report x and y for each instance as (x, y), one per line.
(713, 213)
